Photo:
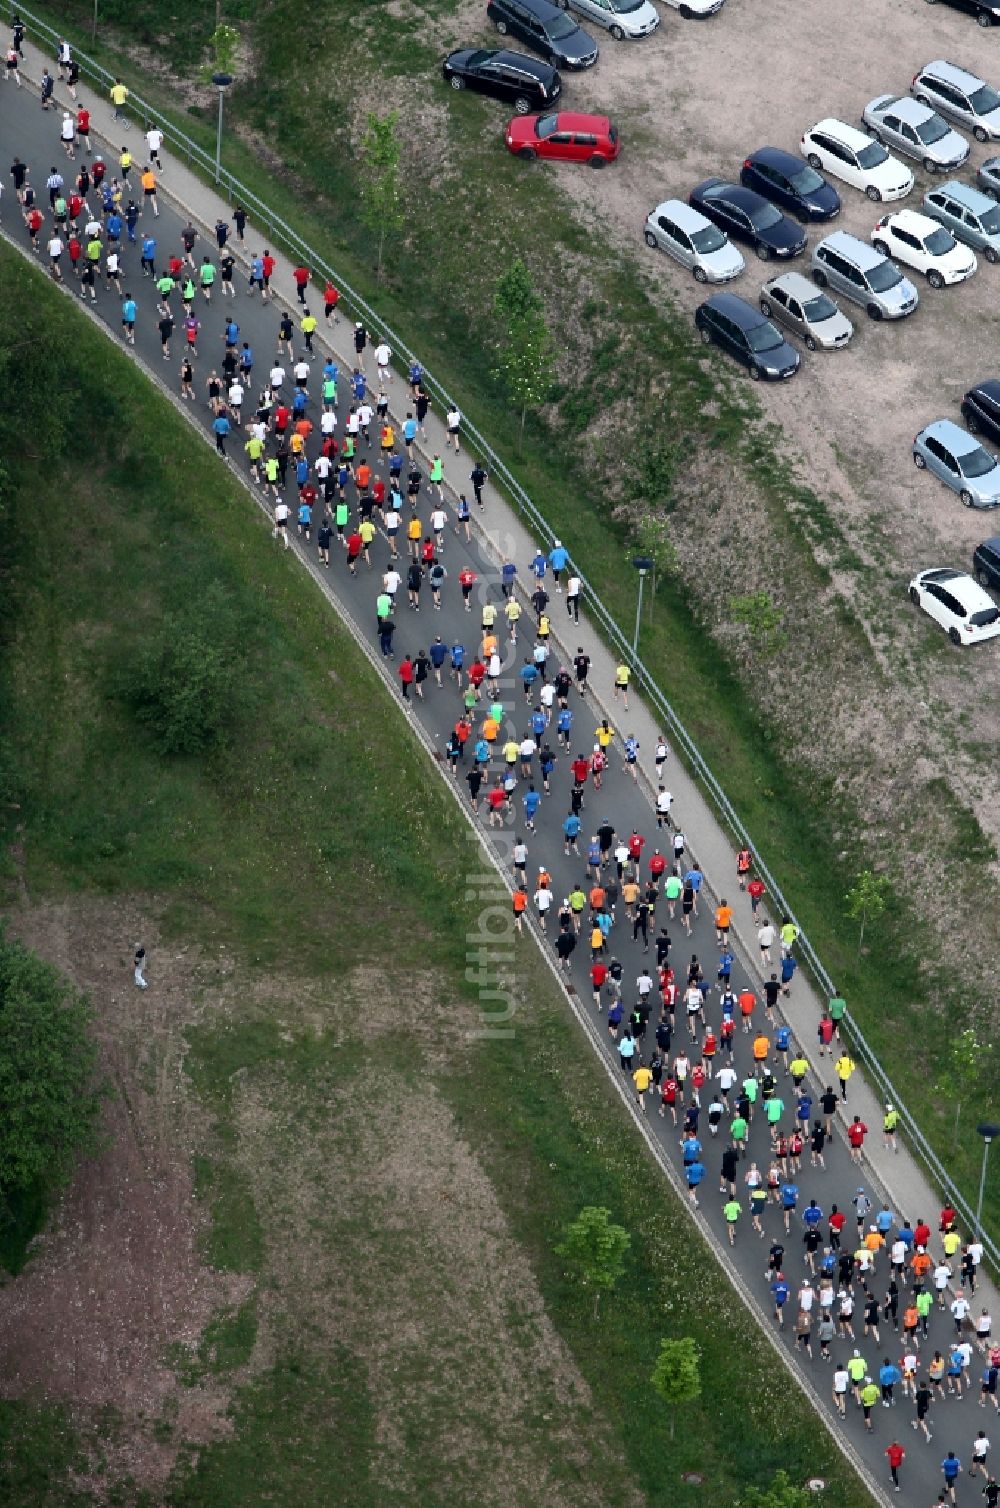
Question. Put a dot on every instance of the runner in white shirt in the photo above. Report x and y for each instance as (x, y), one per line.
(664, 801)
(276, 377)
(543, 900)
(281, 523)
(438, 521)
(67, 132)
(55, 250)
(390, 582)
(383, 356)
(154, 141)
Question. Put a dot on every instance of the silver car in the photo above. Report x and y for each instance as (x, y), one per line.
(988, 177)
(622, 18)
(971, 216)
(917, 130)
(960, 462)
(964, 96)
(863, 274)
(690, 238)
(794, 301)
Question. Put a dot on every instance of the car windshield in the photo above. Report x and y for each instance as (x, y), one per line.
(820, 308)
(977, 462)
(883, 277)
(991, 221)
(765, 217)
(931, 130)
(806, 181)
(560, 28)
(764, 338)
(708, 239)
(984, 617)
(939, 242)
(873, 155)
(985, 100)
(545, 125)
(626, 7)
(477, 59)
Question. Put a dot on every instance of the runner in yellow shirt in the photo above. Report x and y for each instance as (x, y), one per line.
(622, 678)
(642, 1078)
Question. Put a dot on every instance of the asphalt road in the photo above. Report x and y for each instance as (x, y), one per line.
(33, 134)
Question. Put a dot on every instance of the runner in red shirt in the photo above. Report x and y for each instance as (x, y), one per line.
(405, 676)
(657, 865)
(282, 418)
(98, 168)
(355, 544)
(581, 769)
(598, 977)
(756, 891)
(668, 1097)
(301, 276)
(837, 1222)
(747, 1001)
(636, 844)
(34, 222)
(477, 674)
(467, 579)
(597, 763)
(75, 250)
(331, 298)
(75, 209)
(894, 1455)
(269, 265)
(856, 1133)
(922, 1234)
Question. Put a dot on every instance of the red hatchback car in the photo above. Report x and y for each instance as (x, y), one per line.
(567, 136)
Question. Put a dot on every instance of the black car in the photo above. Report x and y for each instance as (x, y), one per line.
(981, 410)
(790, 183)
(745, 216)
(986, 562)
(747, 334)
(986, 12)
(526, 83)
(545, 28)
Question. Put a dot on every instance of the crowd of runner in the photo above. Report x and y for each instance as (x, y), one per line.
(856, 1282)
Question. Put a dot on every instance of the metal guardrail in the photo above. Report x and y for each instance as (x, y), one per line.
(284, 235)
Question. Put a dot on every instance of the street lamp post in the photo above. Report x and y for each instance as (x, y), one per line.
(222, 82)
(643, 564)
(987, 1131)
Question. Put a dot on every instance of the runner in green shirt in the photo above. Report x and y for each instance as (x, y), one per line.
(165, 286)
(206, 277)
(271, 473)
(672, 890)
(836, 1009)
(738, 1130)
(732, 1209)
(254, 449)
(869, 1398)
(437, 476)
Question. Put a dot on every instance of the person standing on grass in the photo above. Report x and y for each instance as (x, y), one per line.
(139, 966)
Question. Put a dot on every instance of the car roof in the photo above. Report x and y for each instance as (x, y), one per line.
(795, 285)
(967, 196)
(543, 9)
(536, 66)
(913, 221)
(952, 74)
(991, 387)
(848, 134)
(746, 315)
(735, 192)
(775, 157)
(913, 111)
(572, 120)
(957, 439)
(973, 597)
(859, 252)
(993, 543)
(684, 215)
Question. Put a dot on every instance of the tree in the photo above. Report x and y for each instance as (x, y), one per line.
(677, 1374)
(49, 1098)
(782, 1493)
(762, 618)
(224, 41)
(594, 1250)
(524, 364)
(186, 684)
(381, 191)
(866, 900)
(959, 1071)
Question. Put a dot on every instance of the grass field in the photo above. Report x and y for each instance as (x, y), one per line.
(381, 1194)
(672, 429)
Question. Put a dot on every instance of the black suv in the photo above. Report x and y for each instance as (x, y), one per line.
(547, 29)
(986, 12)
(526, 83)
(986, 563)
(748, 335)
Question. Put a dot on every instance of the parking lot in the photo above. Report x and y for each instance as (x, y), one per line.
(693, 99)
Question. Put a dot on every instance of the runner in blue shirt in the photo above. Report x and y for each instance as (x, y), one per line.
(564, 723)
(952, 1467)
(529, 675)
(558, 557)
(221, 427)
(692, 1150)
(539, 566)
(779, 1292)
(812, 1214)
(782, 1042)
(571, 832)
(695, 1172)
(884, 1220)
(538, 725)
(149, 256)
(531, 800)
(789, 1199)
(788, 967)
(508, 573)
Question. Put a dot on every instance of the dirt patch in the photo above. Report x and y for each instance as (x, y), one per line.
(117, 1276)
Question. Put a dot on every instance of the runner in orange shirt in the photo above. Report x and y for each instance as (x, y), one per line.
(723, 922)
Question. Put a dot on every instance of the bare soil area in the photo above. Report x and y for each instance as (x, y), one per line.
(117, 1277)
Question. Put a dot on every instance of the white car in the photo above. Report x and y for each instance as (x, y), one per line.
(690, 8)
(845, 152)
(924, 243)
(958, 603)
